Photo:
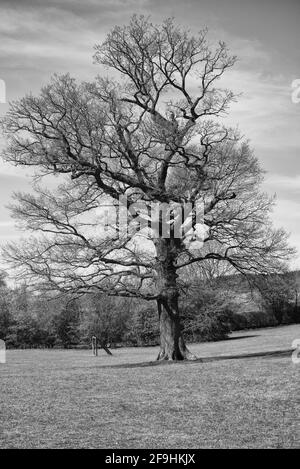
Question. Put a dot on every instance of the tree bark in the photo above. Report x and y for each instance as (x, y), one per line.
(105, 347)
(172, 345)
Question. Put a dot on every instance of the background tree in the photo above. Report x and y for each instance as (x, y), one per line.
(142, 326)
(6, 319)
(66, 324)
(104, 317)
(24, 329)
(153, 137)
(280, 296)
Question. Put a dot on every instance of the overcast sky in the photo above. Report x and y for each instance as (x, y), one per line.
(39, 38)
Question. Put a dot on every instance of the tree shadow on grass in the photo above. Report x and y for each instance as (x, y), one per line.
(264, 355)
(239, 337)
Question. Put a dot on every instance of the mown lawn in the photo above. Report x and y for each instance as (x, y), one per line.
(67, 399)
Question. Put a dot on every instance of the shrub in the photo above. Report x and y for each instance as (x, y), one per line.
(251, 320)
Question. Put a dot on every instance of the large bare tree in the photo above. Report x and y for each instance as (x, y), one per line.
(154, 136)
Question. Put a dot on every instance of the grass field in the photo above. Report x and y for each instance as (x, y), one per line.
(67, 399)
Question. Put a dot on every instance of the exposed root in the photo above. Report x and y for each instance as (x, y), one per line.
(173, 356)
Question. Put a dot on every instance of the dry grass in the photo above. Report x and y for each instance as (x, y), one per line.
(64, 399)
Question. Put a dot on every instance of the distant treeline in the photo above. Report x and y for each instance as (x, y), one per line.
(210, 310)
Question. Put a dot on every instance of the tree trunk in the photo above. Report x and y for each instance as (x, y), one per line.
(105, 347)
(172, 346)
